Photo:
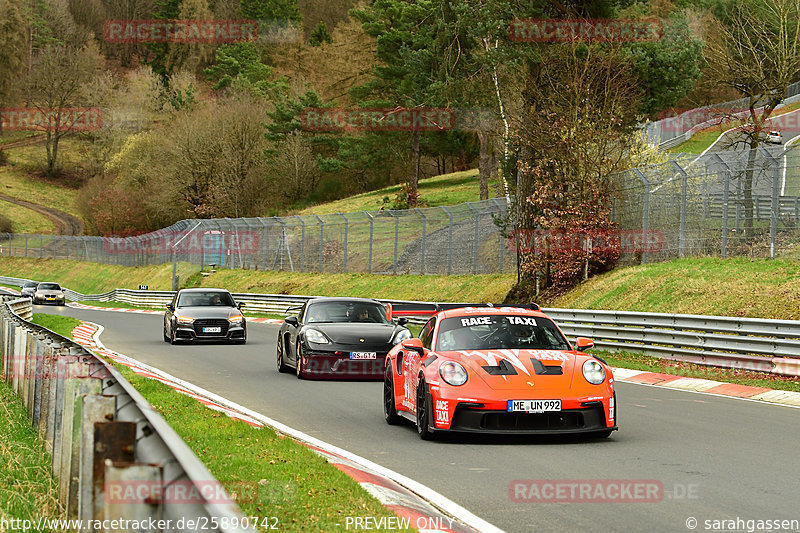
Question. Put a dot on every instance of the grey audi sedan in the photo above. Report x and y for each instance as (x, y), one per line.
(204, 315)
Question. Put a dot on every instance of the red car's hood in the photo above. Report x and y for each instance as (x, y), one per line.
(528, 375)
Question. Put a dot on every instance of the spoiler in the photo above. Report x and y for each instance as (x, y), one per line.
(423, 309)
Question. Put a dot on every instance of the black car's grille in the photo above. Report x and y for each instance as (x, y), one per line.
(201, 323)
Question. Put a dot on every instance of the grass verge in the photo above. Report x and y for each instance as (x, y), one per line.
(637, 361)
(92, 278)
(757, 288)
(26, 220)
(28, 490)
(446, 189)
(271, 476)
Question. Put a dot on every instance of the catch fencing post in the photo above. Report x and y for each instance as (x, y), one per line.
(726, 185)
(371, 234)
(344, 255)
(774, 205)
(302, 243)
(474, 241)
(645, 211)
(321, 237)
(265, 229)
(396, 231)
(422, 248)
(26, 245)
(500, 234)
(682, 234)
(449, 241)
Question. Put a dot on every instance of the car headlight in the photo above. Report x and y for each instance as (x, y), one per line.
(401, 335)
(453, 373)
(185, 320)
(235, 319)
(312, 335)
(594, 372)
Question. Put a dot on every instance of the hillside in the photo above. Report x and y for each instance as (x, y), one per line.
(703, 286)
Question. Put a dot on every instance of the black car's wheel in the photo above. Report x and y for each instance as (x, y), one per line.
(240, 341)
(282, 367)
(173, 339)
(166, 337)
(424, 411)
(301, 374)
(389, 409)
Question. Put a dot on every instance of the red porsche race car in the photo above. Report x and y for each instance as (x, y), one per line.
(498, 370)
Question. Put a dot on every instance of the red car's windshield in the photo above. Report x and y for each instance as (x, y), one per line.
(492, 332)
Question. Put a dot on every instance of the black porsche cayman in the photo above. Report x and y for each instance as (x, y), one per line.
(339, 338)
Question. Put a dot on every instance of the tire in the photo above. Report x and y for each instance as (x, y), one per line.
(389, 409)
(164, 333)
(299, 363)
(173, 339)
(424, 411)
(282, 367)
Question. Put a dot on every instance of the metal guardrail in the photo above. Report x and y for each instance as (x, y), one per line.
(114, 456)
(762, 345)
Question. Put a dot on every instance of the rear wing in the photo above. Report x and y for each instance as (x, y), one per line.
(426, 309)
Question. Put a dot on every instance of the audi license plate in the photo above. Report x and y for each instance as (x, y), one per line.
(363, 355)
(214, 329)
(533, 406)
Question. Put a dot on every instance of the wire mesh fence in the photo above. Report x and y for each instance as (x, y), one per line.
(687, 206)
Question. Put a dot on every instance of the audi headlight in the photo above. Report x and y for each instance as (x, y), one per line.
(453, 373)
(312, 335)
(235, 319)
(185, 320)
(594, 372)
(401, 335)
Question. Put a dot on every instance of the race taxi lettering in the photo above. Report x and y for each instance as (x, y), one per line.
(476, 321)
(522, 320)
(442, 413)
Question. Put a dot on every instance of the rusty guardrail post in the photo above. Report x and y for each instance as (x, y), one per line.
(113, 441)
(94, 408)
(135, 505)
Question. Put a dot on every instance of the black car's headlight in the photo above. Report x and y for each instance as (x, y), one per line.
(236, 319)
(401, 335)
(184, 320)
(315, 336)
(594, 372)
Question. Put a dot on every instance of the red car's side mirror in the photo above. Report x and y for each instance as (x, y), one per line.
(413, 344)
(583, 344)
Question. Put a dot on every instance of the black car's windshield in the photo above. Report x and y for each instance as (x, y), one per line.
(204, 299)
(491, 332)
(364, 312)
(49, 287)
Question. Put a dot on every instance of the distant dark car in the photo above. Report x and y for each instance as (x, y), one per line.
(49, 293)
(339, 338)
(204, 315)
(28, 288)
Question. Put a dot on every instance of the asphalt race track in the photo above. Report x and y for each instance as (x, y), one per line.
(717, 458)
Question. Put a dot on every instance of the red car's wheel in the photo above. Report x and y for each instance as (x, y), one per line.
(424, 411)
(389, 409)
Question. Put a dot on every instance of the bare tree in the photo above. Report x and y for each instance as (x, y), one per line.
(755, 49)
(55, 87)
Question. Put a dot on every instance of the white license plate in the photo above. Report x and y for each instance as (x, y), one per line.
(363, 355)
(533, 406)
(215, 329)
